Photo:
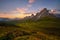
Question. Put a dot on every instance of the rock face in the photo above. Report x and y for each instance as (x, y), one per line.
(41, 14)
(32, 15)
(29, 17)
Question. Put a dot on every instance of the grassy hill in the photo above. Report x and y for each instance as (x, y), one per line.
(47, 28)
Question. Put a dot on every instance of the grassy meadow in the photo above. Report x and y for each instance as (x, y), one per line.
(47, 28)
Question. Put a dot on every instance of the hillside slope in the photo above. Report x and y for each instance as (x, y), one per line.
(46, 28)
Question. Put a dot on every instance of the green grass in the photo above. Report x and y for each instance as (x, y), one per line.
(47, 28)
(45, 22)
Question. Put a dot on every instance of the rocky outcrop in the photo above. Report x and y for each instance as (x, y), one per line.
(42, 13)
(29, 17)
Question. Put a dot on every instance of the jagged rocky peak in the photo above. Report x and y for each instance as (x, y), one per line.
(44, 10)
(32, 15)
(42, 13)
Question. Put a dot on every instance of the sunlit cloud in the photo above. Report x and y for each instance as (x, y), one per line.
(23, 15)
(10, 14)
(22, 10)
(31, 1)
(18, 12)
(13, 14)
(7, 16)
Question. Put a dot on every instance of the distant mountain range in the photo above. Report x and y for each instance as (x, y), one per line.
(4, 19)
(8, 19)
(57, 15)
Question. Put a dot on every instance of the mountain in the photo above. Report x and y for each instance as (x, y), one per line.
(28, 17)
(4, 19)
(43, 13)
(57, 15)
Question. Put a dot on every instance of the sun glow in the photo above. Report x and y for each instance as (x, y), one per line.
(22, 15)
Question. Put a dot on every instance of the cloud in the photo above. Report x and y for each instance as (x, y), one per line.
(23, 15)
(10, 14)
(31, 1)
(22, 10)
(7, 15)
(19, 12)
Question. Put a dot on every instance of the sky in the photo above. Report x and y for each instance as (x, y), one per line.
(22, 8)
